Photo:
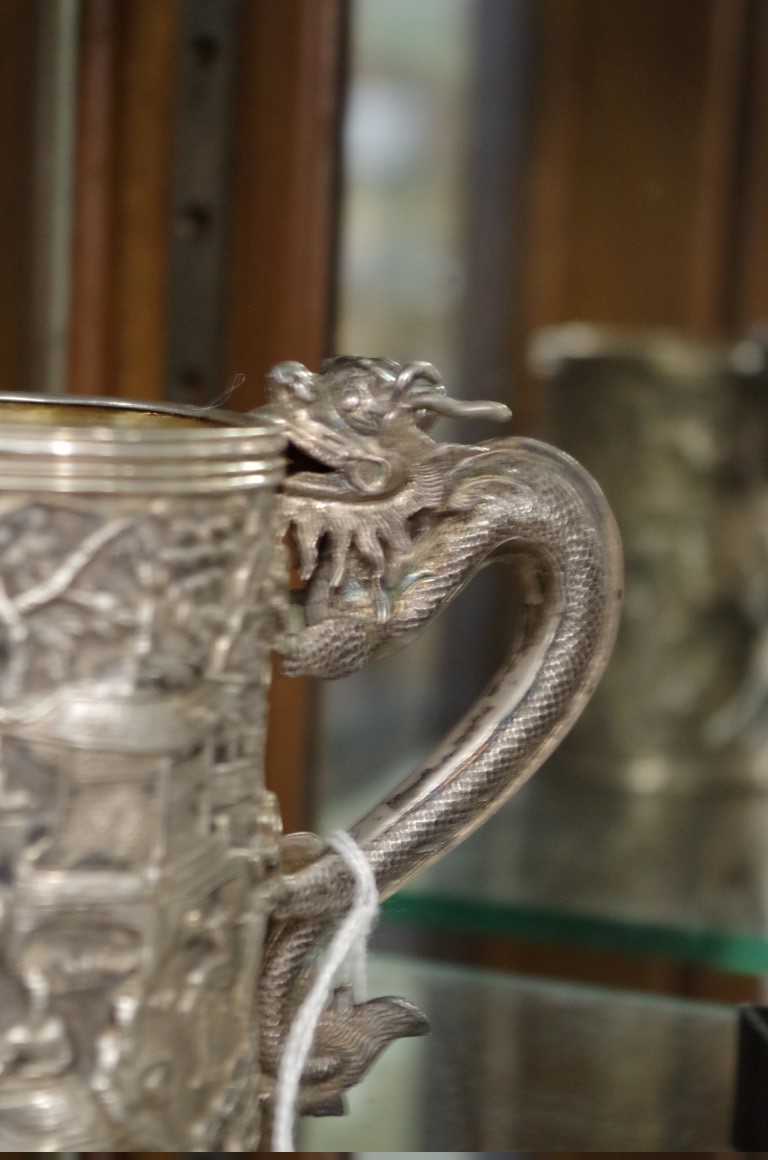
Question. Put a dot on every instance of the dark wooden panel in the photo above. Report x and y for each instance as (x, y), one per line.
(17, 68)
(146, 110)
(576, 963)
(639, 213)
(53, 93)
(285, 181)
(120, 249)
(749, 291)
(201, 199)
(503, 68)
(91, 362)
(720, 141)
(283, 251)
(616, 159)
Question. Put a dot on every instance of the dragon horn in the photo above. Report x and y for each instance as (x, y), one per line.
(411, 373)
(459, 408)
(414, 390)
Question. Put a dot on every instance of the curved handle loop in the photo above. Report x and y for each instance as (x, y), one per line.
(378, 563)
(514, 499)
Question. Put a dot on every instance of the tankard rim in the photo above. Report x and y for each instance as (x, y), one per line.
(42, 445)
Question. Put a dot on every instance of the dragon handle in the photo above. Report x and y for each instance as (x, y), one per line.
(389, 526)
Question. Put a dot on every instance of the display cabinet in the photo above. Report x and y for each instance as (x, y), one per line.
(199, 188)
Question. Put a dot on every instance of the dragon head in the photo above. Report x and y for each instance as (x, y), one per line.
(360, 456)
(359, 424)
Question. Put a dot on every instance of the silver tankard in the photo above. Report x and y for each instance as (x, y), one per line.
(674, 429)
(157, 933)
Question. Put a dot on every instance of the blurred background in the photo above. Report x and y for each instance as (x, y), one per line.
(563, 204)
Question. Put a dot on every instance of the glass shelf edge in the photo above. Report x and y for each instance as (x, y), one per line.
(738, 954)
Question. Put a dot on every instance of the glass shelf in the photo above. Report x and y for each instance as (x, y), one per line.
(513, 1063)
(676, 877)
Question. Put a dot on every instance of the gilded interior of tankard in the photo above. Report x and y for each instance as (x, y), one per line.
(27, 411)
(89, 415)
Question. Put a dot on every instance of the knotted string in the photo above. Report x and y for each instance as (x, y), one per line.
(345, 960)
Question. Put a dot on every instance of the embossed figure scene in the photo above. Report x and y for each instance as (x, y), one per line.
(383, 598)
(135, 829)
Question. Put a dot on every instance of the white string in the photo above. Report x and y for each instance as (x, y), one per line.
(345, 956)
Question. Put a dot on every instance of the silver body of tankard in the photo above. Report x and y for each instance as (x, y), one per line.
(137, 569)
(157, 934)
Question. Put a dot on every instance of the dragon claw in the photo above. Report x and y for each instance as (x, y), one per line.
(349, 1039)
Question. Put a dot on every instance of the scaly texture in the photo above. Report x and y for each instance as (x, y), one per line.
(462, 507)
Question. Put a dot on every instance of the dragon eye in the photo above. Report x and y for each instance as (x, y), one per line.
(350, 400)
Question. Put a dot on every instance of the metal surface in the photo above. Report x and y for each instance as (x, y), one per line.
(143, 586)
(674, 431)
(389, 526)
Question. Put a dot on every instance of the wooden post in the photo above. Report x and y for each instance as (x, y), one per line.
(283, 254)
(121, 229)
